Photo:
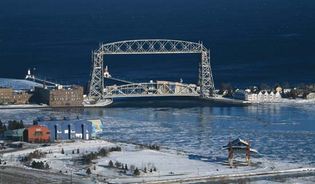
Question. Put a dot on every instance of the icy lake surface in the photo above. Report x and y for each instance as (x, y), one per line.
(281, 132)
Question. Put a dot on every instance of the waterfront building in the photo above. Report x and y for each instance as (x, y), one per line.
(10, 96)
(263, 96)
(37, 134)
(21, 97)
(66, 129)
(60, 96)
(260, 97)
(6, 95)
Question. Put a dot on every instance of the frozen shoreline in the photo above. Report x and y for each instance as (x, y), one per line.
(218, 100)
(171, 167)
(25, 106)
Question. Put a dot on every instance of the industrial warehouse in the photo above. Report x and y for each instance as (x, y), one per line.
(52, 129)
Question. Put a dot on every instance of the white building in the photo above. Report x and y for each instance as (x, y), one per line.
(263, 97)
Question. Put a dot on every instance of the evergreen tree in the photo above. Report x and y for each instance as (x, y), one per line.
(88, 171)
(22, 124)
(46, 166)
(136, 172)
(13, 125)
(111, 164)
(3, 128)
(62, 151)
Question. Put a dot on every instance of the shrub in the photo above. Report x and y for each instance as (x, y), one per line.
(12, 125)
(46, 166)
(35, 154)
(89, 157)
(103, 152)
(39, 165)
(136, 172)
(117, 148)
(88, 171)
(118, 164)
(154, 147)
(110, 164)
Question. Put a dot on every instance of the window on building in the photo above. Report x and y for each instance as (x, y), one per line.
(37, 134)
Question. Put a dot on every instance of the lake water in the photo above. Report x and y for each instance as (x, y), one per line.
(279, 132)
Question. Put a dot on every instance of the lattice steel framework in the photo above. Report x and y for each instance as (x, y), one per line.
(151, 46)
(162, 88)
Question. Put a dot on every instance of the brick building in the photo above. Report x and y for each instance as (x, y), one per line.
(21, 97)
(60, 96)
(6, 95)
(10, 96)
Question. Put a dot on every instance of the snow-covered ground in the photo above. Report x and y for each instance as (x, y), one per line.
(170, 165)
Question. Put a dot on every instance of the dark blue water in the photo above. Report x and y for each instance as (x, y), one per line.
(251, 41)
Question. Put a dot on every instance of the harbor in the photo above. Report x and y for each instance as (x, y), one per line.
(120, 92)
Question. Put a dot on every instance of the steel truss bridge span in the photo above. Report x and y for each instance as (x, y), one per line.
(98, 90)
(154, 89)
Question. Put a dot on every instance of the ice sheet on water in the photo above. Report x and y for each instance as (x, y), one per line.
(279, 132)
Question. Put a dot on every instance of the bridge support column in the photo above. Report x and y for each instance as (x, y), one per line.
(97, 79)
(205, 75)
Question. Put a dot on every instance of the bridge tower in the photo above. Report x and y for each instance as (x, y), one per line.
(97, 80)
(151, 46)
(205, 75)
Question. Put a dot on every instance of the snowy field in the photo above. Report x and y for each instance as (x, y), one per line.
(171, 166)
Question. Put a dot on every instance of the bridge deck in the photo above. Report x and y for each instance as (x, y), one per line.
(152, 89)
(150, 95)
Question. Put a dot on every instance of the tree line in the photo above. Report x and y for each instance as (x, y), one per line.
(11, 125)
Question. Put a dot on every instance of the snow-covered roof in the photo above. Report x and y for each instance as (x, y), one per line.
(239, 144)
